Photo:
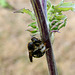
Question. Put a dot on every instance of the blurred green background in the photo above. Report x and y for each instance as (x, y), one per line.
(14, 39)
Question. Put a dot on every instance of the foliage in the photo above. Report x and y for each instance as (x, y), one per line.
(56, 19)
(5, 4)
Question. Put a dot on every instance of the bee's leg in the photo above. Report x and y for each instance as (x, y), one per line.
(45, 44)
(46, 49)
(30, 57)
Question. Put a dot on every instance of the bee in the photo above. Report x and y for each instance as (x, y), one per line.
(36, 48)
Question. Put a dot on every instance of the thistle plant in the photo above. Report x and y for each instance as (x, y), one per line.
(47, 23)
(56, 19)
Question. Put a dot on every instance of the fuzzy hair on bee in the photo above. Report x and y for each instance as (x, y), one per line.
(36, 48)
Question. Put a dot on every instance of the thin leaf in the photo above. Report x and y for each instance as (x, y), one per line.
(5, 4)
(33, 25)
(32, 31)
(60, 17)
(63, 25)
(65, 6)
(27, 11)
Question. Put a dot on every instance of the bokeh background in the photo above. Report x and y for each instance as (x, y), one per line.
(14, 39)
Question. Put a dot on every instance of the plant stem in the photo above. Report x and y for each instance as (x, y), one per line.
(44, 32)
(44, 5)
(49, 53)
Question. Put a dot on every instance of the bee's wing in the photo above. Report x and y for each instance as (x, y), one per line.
(30, 57)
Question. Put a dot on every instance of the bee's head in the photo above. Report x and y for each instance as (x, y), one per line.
(36, 41)
(30, 46)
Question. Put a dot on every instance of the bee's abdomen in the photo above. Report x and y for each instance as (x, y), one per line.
(37, 54)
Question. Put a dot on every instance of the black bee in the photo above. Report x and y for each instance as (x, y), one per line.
(36, 48)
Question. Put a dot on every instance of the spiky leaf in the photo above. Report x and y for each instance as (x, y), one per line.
(27, 11)
(65, 6)
(33, 25)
